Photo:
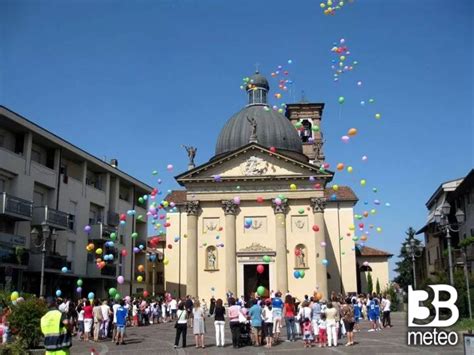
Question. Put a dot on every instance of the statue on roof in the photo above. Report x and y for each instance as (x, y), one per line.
(191, 153)
(253, 132)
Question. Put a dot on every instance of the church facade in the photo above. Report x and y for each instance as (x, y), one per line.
(258, 215)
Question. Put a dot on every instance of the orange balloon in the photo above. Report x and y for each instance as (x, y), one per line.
(352, 132)
(340, 166)
(141, 268)
(363, 238)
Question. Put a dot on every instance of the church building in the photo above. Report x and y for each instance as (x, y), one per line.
(258, 214)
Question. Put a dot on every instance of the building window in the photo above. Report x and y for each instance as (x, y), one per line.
(36, 155)
(124, 193)
(365, 268)
(306, 131)
(301, 256)
(211, 258)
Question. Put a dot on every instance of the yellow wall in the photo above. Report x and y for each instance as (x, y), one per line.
(379, 266)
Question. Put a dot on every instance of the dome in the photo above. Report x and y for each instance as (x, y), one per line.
(258, 80)
(273, 130)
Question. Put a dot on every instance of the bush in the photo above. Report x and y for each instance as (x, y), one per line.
(15, 348)
(370, 286)
(25, 322)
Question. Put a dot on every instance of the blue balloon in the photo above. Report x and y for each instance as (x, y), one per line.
(325, 262)
(296, 274)
(91, 295)
(64, 269)
(58, 293)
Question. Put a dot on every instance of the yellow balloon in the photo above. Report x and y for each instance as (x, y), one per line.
(14, 296)
(166, 261)
(292, 187)
(139, 278)
(335, 187)
(363, 182)
(349, 169)
(98, 251)
(351, 227)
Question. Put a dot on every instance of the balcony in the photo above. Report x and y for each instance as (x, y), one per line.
(51, 262)
(101, 231)
(113, 219)
(53, 218)
(12, 240)
(15, 208)
(15, 256)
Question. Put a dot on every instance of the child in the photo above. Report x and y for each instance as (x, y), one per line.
(267, 315)
(121, 321)
(135, 314)
(357, 313)
(371, 314)
(323, 336)
(80, 320)
(307, 333)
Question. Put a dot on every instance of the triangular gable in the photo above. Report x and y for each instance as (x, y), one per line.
(254, 162)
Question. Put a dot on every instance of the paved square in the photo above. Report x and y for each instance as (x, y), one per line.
(159, 339)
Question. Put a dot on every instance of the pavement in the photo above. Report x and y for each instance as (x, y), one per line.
(159, 339)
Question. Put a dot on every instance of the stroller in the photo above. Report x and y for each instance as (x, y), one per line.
(245, 334)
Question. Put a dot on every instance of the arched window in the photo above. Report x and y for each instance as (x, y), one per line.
(365, 268)
(211, 258)
(301, 257)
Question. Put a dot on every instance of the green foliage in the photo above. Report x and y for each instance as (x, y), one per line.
(404, 265)
(377, 286)
(466, 242)
(25, 322)
(14, 348)
(370, 285)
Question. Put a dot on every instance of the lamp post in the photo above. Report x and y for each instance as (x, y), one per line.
(45, 233)
(414, 251)
(153, 257)
(442, 220)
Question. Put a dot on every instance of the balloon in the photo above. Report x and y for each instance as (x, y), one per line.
(378, 116)
(302, 274)
(259, 199)
(139, 278)
(90, 247)
(278, 201)
(146, 293)
(91, 296)
(169, 167)
(340, 166)
(352, 132)
(323, 244)
(98, 251)
(123, 217)
(260, 268)
(266, 258)
(316, 228)
(325, 262)
(379, 230)
(297, 252)
(345, 139)
(341, 99)
(374, 189)
(79, 282)
(134, 235)
(293, 187)
(64, 269)
(371, 101)
(296, 274)
(112, 291)
(236, 200)
(272, 149)
(349, 169)
(141, 268)
(365, 263)
(79, 289)
(124, 252)
(136, 250)
(359, 83)
(14, 296)
(87, 229)
(117, 297)
(363, 182)
(260, 290)
(335, 187)
(166, 261)
(120, 279)
(364, 157)
(58, 293)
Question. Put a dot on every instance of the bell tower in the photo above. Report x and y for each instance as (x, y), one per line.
(306, 118)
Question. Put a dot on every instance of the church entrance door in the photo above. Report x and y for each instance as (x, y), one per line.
(252, 280)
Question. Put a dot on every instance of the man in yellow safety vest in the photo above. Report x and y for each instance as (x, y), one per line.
(55, 327)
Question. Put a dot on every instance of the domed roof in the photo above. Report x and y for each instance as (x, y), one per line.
(273, 130)
(258, 80)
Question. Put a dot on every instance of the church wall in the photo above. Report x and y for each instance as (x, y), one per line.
(337, 225)
(380, 270)
(171, 273)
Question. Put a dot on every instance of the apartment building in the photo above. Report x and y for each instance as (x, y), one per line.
(49, 191)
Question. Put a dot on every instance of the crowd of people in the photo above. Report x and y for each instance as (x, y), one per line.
(257, 321)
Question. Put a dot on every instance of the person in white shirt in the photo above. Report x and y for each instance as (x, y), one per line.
(267, 316)
(104, 324)
(386, 312)
(114, 320)
(173, 308)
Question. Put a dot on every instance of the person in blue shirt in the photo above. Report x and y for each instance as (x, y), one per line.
(255, 313)
(277, 309)
(371, 313)
(357, 313)
(121, 315)
(377, 313)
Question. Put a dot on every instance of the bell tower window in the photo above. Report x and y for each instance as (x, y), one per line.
(306, 133)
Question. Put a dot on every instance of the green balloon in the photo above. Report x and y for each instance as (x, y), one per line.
(301, 211)
(140, 217)
(341, 99)
(134, 235)
(141, 200)
(261, 290)
(315, 128)
(112, 292)
(79, 282)
(301, 273)
(266, 258)
(113, 235)
(117, 296)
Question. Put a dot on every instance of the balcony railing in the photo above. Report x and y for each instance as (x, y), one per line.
(15, 256)
(15, 207)
(51, 262)
(113, 218)
(100, 231)
(55, 219)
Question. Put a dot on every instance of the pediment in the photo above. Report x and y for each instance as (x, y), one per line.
(255, 163)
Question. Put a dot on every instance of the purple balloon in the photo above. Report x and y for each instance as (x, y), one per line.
(136, 250)
(79, 289)
(87, 229)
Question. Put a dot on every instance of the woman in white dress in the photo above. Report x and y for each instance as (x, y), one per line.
(198, 324)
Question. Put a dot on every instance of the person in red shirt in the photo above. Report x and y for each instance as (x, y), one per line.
(289, 314)
(88, 320)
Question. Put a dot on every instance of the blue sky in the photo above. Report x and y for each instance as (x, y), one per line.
(136, 79)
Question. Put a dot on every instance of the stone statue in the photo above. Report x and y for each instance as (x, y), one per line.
(191, 153)
(300, 258)
(253, 132)
(211, 259)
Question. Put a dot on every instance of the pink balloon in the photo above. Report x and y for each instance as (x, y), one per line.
(120, 279)
(260, 268)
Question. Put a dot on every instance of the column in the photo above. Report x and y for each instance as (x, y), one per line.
(192, 210)
(280, 241)
(230, 211)
(318, 205)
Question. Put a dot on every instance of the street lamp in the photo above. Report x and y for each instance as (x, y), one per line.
(442, 220)
(45, 233)
(153, 257)
(413, 251)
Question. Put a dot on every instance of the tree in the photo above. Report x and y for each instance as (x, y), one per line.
(377, 286)
(370, 286)
(404, 265)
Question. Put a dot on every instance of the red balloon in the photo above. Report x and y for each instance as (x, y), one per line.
(124, 252)
(273, 149)
(146, 293)
(123, 217)
(297, 252)
(167, 224)
(260, 268)
(316, 228)
(317, 186)
(361, 225)
(260, 199)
